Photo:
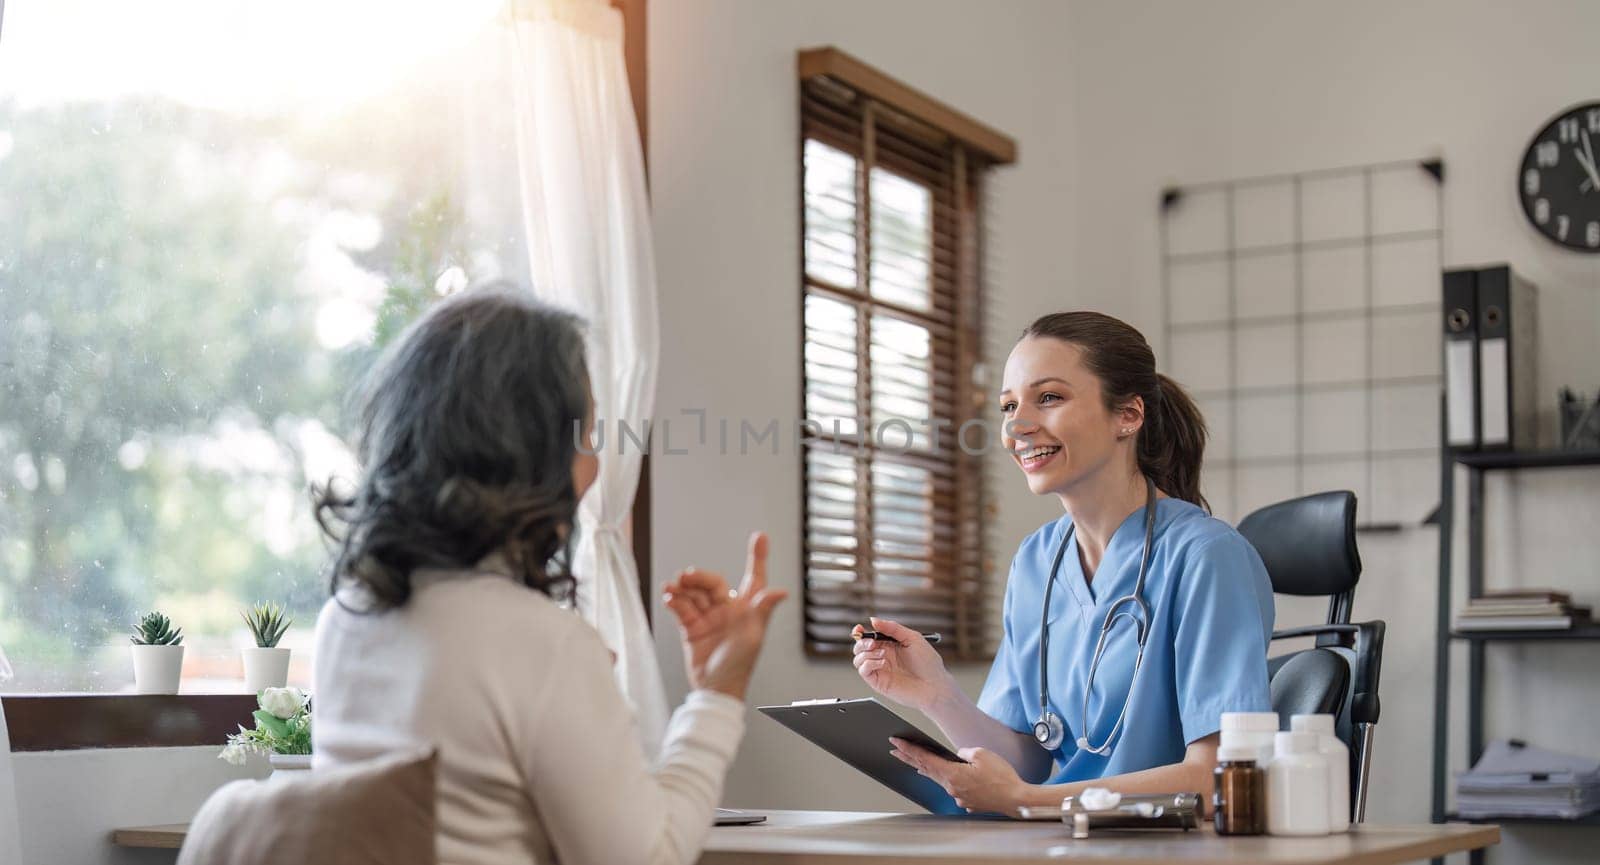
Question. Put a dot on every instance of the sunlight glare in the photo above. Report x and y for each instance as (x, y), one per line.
(233, 55)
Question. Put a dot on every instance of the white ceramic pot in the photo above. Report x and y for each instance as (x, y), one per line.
(289, 762)
(265, 668)
(156, 669)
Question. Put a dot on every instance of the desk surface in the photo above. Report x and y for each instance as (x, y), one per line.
(797, 837)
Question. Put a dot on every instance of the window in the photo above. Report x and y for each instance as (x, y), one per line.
(207, 229)
(893, 318)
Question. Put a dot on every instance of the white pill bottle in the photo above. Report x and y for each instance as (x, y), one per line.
(1297, 787)
(1337, 754)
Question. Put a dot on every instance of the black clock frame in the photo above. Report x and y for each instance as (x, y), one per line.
(1580, 209)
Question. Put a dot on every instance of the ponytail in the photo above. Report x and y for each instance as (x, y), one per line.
(1173, 439)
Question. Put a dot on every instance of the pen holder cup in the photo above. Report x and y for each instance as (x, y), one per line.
(1580, 424)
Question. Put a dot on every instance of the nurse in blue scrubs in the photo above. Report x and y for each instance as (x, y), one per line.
(1132, 622)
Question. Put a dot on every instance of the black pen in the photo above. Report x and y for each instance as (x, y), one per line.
(879, 635)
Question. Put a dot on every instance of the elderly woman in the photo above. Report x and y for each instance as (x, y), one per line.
(451, 621)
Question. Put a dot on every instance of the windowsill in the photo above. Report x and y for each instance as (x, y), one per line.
(69, 722)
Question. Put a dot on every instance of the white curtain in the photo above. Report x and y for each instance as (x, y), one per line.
(587, 216)
(10, 844)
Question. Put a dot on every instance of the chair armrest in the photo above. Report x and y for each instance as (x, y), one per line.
(1364, 705)
(1313, 631)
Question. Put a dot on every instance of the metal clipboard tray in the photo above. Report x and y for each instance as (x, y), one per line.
(1154, 811)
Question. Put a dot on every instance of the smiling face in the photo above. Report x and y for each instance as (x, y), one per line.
(1057, 427)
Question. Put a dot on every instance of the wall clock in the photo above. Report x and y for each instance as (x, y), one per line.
(1560, 179)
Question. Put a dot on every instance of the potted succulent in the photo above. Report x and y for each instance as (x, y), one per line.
(265, 664)
(282, 731)
(157, 655)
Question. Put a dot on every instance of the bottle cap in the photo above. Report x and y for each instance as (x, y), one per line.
(1320, 724)
(1260, 722)
(1238, 754)
(1296, 743)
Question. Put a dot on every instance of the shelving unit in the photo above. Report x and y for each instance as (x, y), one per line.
(1477, 465)
(1586, 632)
(1591, 820)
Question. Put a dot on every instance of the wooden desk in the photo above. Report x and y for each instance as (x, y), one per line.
(841, 837)
(796, 837)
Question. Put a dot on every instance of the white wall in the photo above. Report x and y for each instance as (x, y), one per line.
(724, 183)
(70, 801)
(1178, 92)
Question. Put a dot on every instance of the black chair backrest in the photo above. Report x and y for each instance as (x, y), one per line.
(1309, 547)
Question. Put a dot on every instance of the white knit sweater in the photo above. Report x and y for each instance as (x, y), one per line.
(539, 759)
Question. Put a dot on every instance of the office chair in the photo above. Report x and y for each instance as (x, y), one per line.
(1309, 547)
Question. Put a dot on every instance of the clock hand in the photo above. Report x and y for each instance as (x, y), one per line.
(1588, 165)
(1586, 159)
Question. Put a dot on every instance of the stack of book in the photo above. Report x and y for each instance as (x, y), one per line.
(1522, 610)
(1514, 779)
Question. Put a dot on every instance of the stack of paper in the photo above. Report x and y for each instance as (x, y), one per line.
(1514, 779)
(1522, 610)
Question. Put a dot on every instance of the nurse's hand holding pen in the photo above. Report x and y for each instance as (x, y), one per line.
(723, 629)
(909, 672)
(906, 669)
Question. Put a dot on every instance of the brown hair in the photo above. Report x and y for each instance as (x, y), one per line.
(1173, 439)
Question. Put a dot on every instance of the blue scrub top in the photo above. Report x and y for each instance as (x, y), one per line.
(1211, 619)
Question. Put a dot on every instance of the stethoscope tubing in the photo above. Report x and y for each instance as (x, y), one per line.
(1141, 620)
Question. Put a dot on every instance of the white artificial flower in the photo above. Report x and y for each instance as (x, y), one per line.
(282, 702)
(234, 754)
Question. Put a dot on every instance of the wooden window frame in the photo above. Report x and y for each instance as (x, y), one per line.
(847, 104)
(61, 722)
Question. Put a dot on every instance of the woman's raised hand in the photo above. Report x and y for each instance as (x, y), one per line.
(904, 668)
(723, 629)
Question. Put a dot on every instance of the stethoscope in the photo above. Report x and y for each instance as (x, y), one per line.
(1049, 729)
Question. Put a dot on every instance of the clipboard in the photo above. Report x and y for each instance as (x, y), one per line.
(857, 732)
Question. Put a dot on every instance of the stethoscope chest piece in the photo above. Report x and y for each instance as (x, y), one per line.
(1049, 731)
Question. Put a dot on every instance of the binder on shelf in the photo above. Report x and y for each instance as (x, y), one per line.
(1461, 358)
(1507, 360)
